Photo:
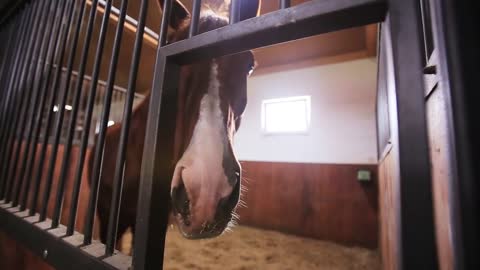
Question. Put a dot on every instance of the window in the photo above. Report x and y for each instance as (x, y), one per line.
(286, 115)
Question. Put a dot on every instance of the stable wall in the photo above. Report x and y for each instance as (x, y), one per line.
(322, 201)
(389, 163)
(441, 175)
(307, 184)
(342, 127)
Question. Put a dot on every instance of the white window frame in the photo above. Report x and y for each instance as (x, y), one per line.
(266, 102)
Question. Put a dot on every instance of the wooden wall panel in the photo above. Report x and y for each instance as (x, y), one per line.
(441, 175)
(389, 211)
(323, 201)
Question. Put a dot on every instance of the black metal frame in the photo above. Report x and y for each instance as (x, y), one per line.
(60, 245)
(416, 213)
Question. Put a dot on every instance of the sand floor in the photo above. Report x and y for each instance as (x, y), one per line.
(249, 248)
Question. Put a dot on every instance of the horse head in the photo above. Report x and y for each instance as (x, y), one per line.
(206, 182)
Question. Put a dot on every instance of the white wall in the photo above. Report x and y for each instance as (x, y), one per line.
(343, 128)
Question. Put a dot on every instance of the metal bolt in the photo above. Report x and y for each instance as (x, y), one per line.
(45, 254)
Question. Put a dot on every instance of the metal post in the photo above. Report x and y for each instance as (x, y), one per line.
(284, 4)
(195, 17)
(53, 53)
(234, 11)
(28, 159)
(122, 146)
(418, 250)
(91, 97)
(16, 109)
(28, 85)
(63, 176)
(61, 47)
(71, 126)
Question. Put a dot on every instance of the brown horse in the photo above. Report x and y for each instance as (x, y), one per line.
(212, 96)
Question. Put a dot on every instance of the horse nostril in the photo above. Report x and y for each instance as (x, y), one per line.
(180, 201)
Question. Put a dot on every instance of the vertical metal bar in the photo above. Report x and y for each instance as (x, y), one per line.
(66, 29)
(167, 10)
(10, 99)
(13, 93)
(416, 209)
(17, 110)
(6, 59)
(89, 112)
(284, 4)
(5, 35)
(38, 79)
(66, 157)
(234, 11)
(153, 206)
(9, 62)
(71, 126)
(98, 158)
(195, 17)
(49, 64)
(22, 115)
(127, 112)
(153, 210)
(29, 157)
(30, 109)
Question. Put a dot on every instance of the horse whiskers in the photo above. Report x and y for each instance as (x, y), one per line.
(241, 204)
(246, 179)
(203, 227)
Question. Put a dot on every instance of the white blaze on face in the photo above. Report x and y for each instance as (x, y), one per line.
(201, 166)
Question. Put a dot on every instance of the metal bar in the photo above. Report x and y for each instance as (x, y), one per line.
(63, 176)
(37, 80)
(153, 205)
(152, 215)
(51, 59)
(456, 43)
(10, 63)
(66, 29)
(11, 96)
(19, 126)
(307, 19)
(31, 109)
(71, 126)
(234, 11)
(29, 157)
(16, 111)
(61, 253)
(127, 112)
(6, 59)
(195, 17)
(89, 111)
(6, 56)
(98, 158)
(284, 4)
(167, 10)
(418, 249)
(87, 123)
(22, 21)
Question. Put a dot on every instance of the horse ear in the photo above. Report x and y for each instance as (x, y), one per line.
(249, 9)
(179, 13)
